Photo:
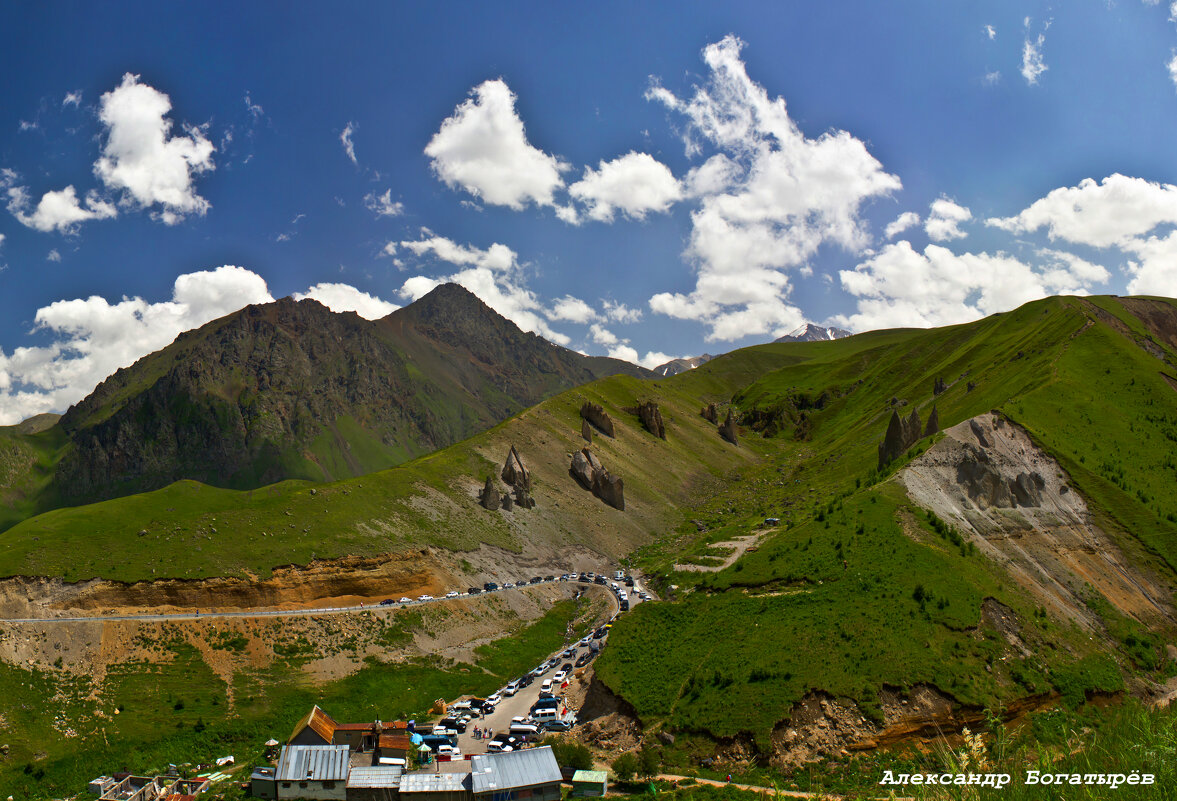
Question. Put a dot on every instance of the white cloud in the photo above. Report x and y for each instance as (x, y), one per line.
(54, 256)
(1033, 63)
(1, 240)
(620, 313)
(140, 157)
(991, 32)
(625, 353)
(58, 210)
(345, 298)
(901, 287)
(1172, 65)
(1173, 12)
(92, 338)
(349, 147)
(768, 206)
(482, 148)
(1113, 212)
(629, 354)
(634, 184)
(72, 99)
(901, 223)
(1154, 272)
(573, 310)
(256, 112)
(992, 78)
(943, 223)
(603, 336)
(497, 257)
(383, 206)
(389, 249)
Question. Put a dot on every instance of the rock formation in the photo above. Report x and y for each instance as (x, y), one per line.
(652, 419)
(982, 482)
(727, 429)
(710, 413)
(523, 498)
(901, 434)
(515, 474)
(1027, 489)
(933, 426)
(586, 431)
(595, 414)
(939, 387)
(979, 432)
(508, 502)
(489, 498)
(970, 387)
(592, 475)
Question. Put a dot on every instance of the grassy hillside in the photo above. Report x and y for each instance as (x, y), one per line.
(859, 589)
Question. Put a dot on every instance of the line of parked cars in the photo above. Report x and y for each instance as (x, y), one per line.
(491, 586)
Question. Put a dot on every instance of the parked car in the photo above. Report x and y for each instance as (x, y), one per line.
(550, 578)
(547, 685)
(564, 577)
(525, 729)
(526, 679)
(387, 602)
(424, 597)
(557, 725)
(458, 724)
(493, 701)
(566, 667)
(473, 590)
(452, 751)
(490, 586)
(452, 594)
(584, 660)
(559, 677)
(586, 639)
(405, 601)
(511, 688)
(584, 579)
(508, 586)
(600, 580)
(629, 581)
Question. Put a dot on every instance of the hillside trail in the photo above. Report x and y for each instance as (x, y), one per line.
(739, 546)
(753, 788)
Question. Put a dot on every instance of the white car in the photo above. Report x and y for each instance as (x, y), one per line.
(451, 594)
(424, 597)
(452, 750)
(405, 601)
(586, 640)
(508, 586)
(494, 699)
(511, 688)
(546, 686)
(559, 677)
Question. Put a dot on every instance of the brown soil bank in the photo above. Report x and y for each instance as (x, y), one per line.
(335, 582)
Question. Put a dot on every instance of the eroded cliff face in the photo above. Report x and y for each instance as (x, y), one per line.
(1014, 502)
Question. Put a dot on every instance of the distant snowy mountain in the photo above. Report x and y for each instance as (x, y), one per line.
(676, 366)
(813, 333)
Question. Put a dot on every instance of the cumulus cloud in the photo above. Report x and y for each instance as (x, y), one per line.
(53, 255)
(1112, 212)
(1172, 65)
(619, 348)
(1033, 62)
(72, 99)
(383, 205)
(1153, 269)
(349, 147)
(141, 159)
(58, 210)
(900, 287)
(574, 310)
(620, 313)
(603, 336)
(482, 148)
(906, 220)
(634, 184)
(943, 223)
(493, 274)
(92, 337)
(345, 298)
(774, 199)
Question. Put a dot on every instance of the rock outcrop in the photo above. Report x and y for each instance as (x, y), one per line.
(983, 482)
(490, 498)
(727, 429)
(933, 426)
(595, 414)
(651, 418)
(901, 434)
(523, 498)
(979, 433)
(710, 413)
(515, 474)
(508, 502)
(586, 431)
(592, 475)
(939, 387)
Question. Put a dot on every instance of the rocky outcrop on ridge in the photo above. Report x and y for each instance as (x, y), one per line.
(902, 433)
(586, 431)
(490, 498)
(592, 475)
(595, 414)
(651, 418)
(933, 426)
(515, 474)
(710, 413)
(727, 429)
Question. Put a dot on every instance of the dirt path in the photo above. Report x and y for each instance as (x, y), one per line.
(739, 546)
(669, 777)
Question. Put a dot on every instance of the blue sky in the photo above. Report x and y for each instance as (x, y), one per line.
(641, 180)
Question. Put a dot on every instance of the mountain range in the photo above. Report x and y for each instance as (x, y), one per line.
(814, 333)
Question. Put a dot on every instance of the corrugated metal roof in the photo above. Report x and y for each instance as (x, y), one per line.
(423, 782)
(375, 776)
(526, 768)
(319, 763)
(594, 776)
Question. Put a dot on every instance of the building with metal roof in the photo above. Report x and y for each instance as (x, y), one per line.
(313, 771)
(531, 773)
(589, 783)
(376, 783)
(430, 786)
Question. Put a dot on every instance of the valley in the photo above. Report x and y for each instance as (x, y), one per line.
(860, 547)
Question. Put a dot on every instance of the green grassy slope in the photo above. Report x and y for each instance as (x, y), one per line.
(858, 589)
